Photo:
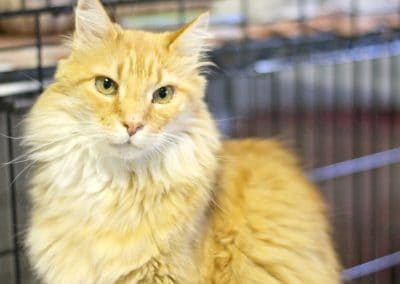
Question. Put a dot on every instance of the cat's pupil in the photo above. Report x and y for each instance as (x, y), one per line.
(162, 92)
(107, 83)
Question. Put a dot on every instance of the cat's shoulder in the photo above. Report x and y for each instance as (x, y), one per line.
(258, 153)
(261, 170)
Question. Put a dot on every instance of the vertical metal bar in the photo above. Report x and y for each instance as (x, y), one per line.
(181, 12)
(257, 104)
(38, 39)
(361, 182)
(269, 109)
(263, 112)
(311, 122)
(348, 197)
(366, 195)
(243, 24)
(299, 108)
(394, 170)
(13, 201)
(240, 86)
(382, 174)
(275, 104)
(229, 104)
(320, 117)
(331, 142)
(398, 14)
(301, 23)
(341, 151)
(323, 127)
(353, 21)
(356, 147)
(300, 14)
(337, 215)
(375, 177)
(309, 111)
(251, 118)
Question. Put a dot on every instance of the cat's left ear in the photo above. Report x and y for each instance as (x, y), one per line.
(92, 23)
(192, 39)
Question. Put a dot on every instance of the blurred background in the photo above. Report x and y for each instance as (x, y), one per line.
(323, 76)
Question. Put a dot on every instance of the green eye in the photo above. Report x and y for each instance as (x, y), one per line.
(163, 95)
(106, 86)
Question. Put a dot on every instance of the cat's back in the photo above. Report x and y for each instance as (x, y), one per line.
(266, 169)
(268, 223)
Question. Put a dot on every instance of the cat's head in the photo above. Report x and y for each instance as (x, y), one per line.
(128, 90)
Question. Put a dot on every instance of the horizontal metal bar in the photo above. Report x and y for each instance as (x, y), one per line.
(336, 56)
(18, 75)
(21, 88)
(372, 266)
(357, 165)
(68, 8)
(30, 12)
(7, 252)
(62, 9)
(27, 45)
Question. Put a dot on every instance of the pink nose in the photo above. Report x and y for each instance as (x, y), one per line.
(132, 127)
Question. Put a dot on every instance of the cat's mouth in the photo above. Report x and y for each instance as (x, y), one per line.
(135, 144)
(121, 140)
(129, 143)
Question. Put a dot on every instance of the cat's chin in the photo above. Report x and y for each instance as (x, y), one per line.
(129, 151)
(126, 150)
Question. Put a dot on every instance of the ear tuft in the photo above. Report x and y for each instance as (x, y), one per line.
(91, 22)
(192, 39)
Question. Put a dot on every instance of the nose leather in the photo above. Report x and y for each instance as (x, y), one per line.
(132, 127)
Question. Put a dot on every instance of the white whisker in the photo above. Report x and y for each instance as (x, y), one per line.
(21, 172)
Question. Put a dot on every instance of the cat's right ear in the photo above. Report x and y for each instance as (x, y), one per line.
(92, 23)
(192, 39)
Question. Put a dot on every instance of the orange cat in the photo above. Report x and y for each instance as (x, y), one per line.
(132, 184)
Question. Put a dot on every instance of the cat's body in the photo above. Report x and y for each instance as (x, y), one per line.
(268, 224)
(132, 184)
(139, 228)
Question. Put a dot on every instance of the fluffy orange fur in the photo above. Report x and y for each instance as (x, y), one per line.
(268, 223)
(169, 204)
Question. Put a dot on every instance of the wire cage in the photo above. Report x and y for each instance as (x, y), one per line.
(320, 75)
